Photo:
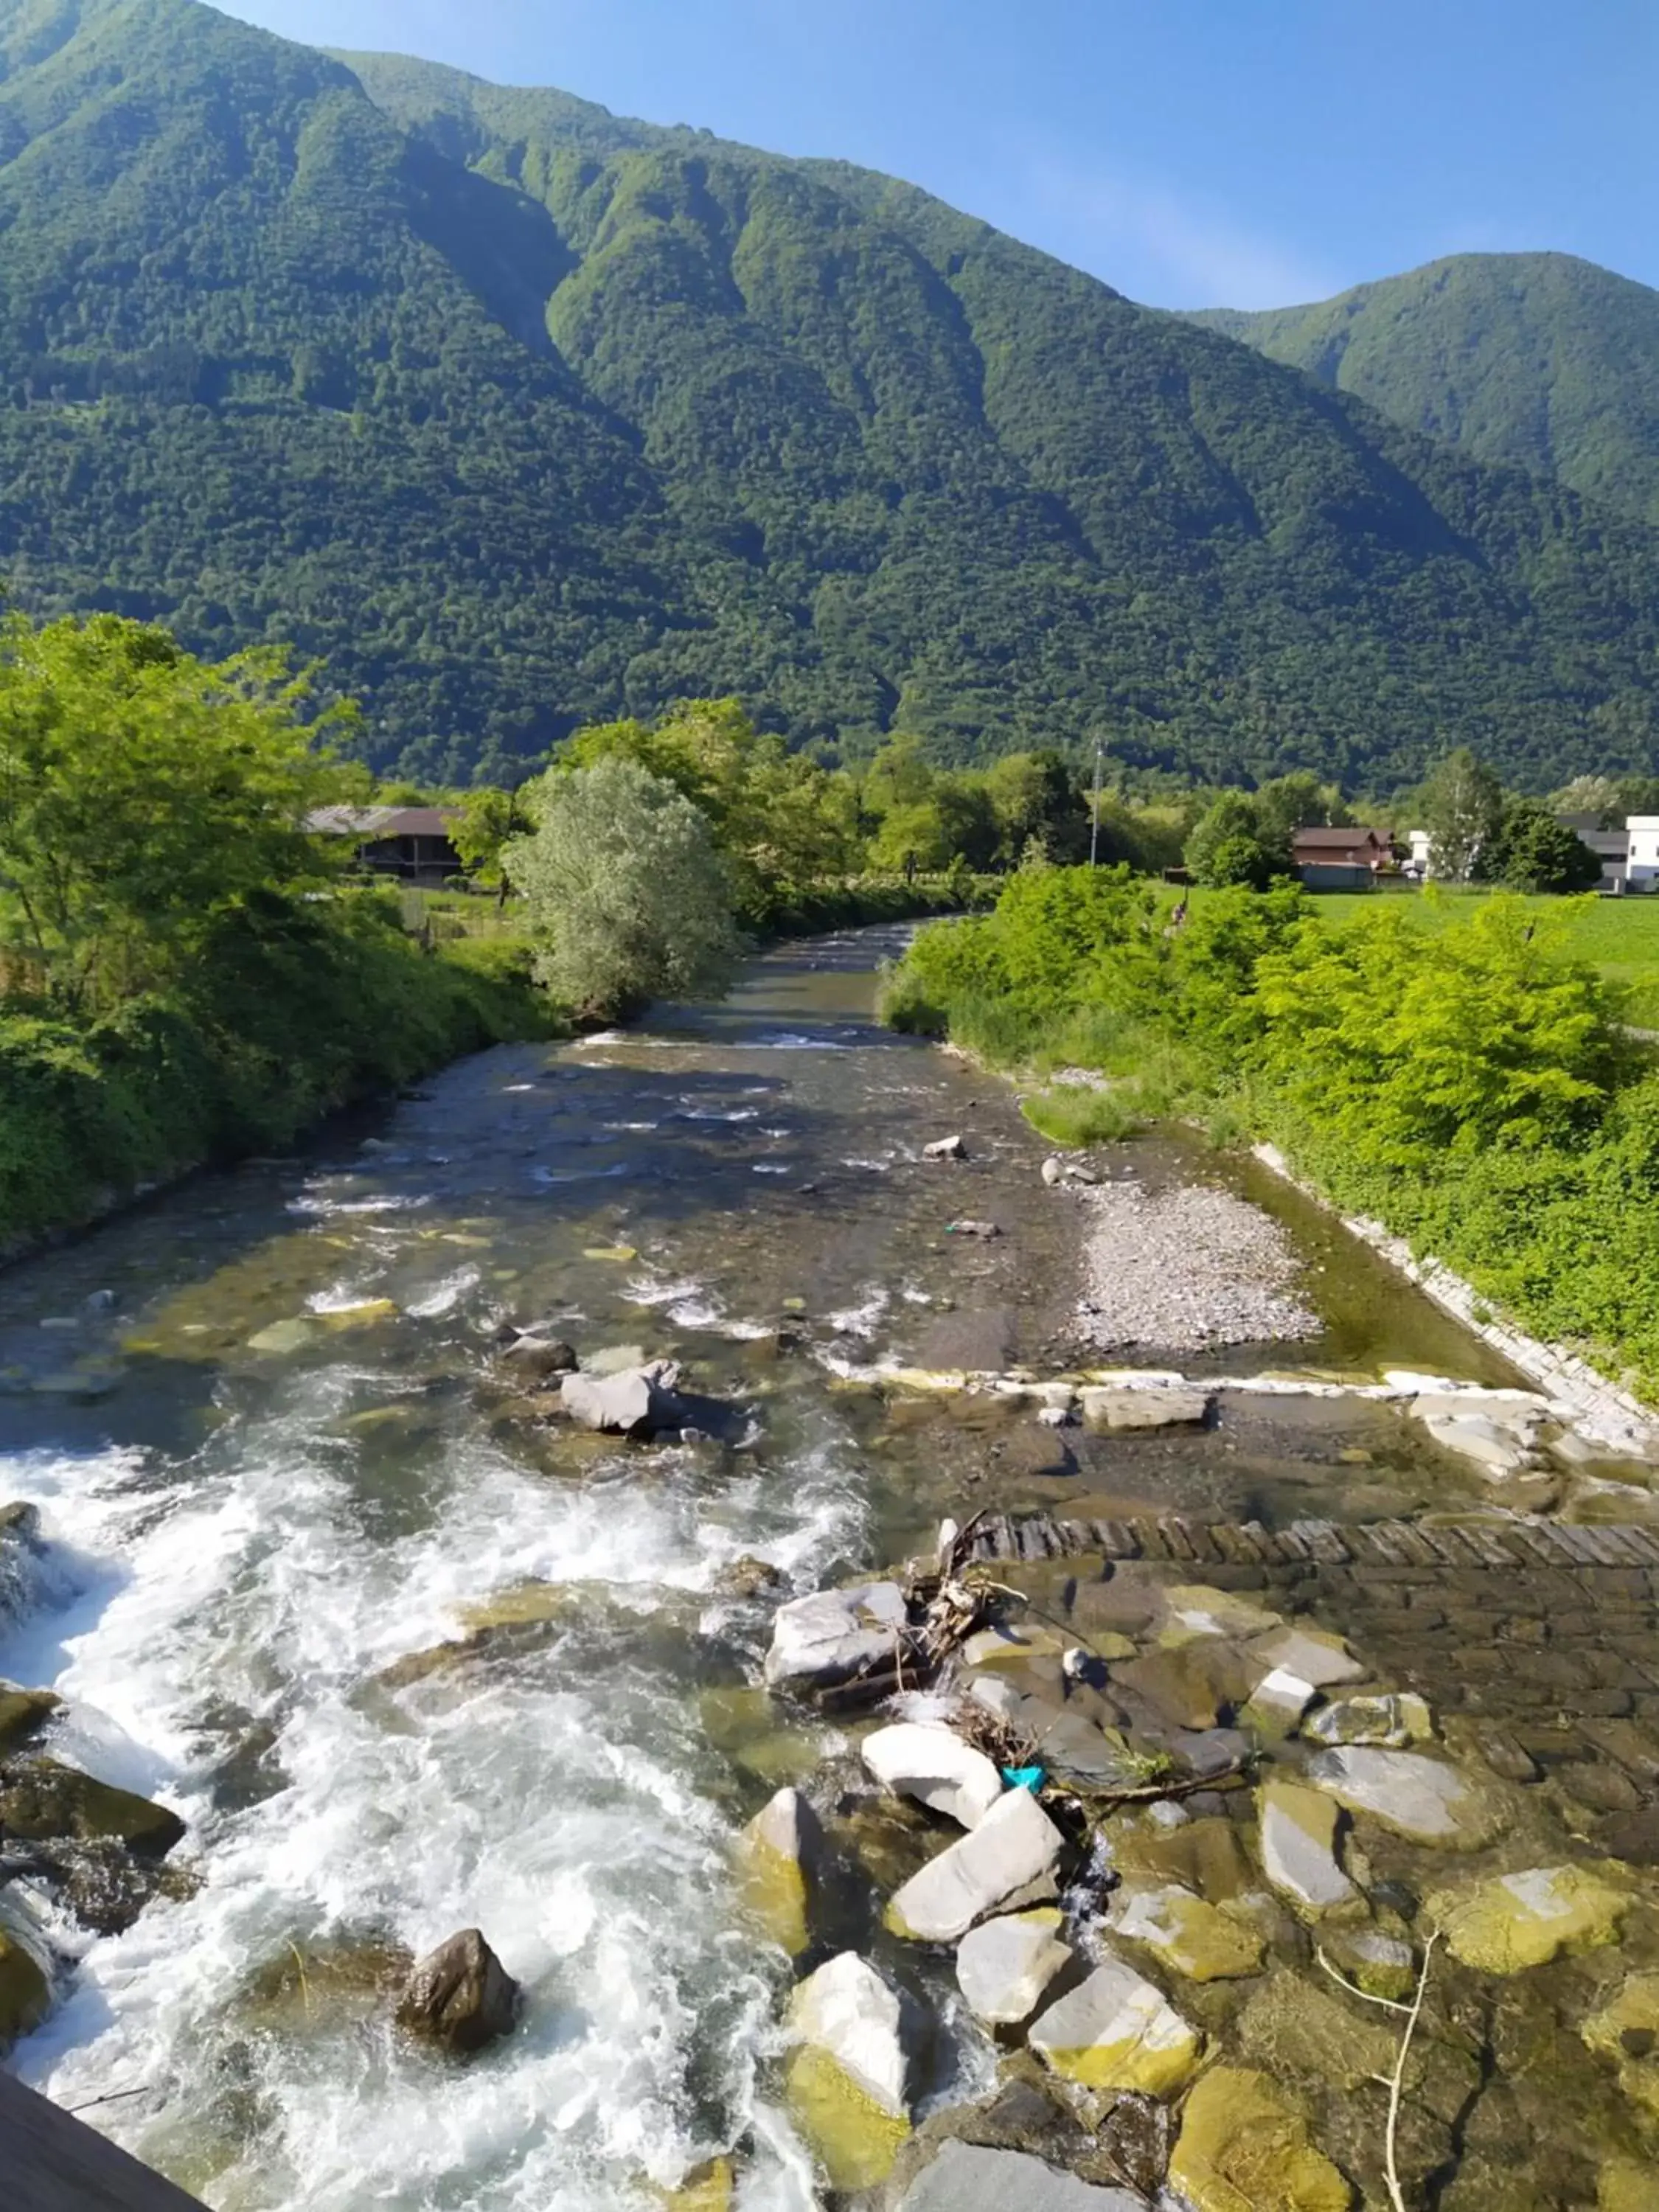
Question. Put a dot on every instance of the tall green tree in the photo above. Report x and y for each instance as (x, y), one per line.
(1461, 803)
(142, 792)
(1533, 852)
(629, 898)
(1232, 846)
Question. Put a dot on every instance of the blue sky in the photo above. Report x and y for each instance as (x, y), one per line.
(1193, 153)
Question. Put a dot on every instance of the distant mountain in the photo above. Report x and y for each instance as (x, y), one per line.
(517, 414)
(1535, 358)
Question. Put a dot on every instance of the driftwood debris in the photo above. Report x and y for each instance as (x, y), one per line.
(946, 1606)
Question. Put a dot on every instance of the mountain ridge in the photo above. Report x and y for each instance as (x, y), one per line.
(1543, 360)
(519, 414)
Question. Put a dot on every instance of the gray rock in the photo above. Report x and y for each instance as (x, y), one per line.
(1496, 1448)
(1005, 1966)
(945, 1148)
(460, 1997)
(1053, 1172)
(1015, 1845)
(1309, 1654)
(820, 1640)
(1422, 1798)
(1113, 1408)
(848, 2011)
(965, 2178)
(1298, 1850)
(1387, 1723)
(1118, 2031)
(982, 1229)
(534, 1358)
(638, 1402)
(936, 1768)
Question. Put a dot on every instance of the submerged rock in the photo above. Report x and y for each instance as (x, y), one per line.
(1014, 1848)
(41, 1800)
(1302, 2029)
(1386, 1723)
(945, 1148)
(1004, 1967)
(1190, 1936)
(1244, 2147)
(1523, 1920)
(847, 2082)
(969, 2178)
(936, 1768)
(1626, 2030)
(1381, 1965)
(460, 1995)
(1420, 1798)
(1298, 1850)
(1310, 1654)
(1117, 2031)
(820, 1640)
(780, 1859)
(533, 1359)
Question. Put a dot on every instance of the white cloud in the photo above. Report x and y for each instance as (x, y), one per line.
(1171, 250)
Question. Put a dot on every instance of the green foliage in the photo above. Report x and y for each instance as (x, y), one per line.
(140, 791)
(1455, 1067)
(1461, 806)
(1239, 842)
(1533, 851)
(520, 418)
(629, 898)
(1534, 359)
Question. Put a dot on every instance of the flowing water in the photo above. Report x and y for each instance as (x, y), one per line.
(274, 1459)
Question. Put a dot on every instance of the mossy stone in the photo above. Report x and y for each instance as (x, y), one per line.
(24, 1713)
(1190, 1936)
(25, 1992)
(1627, 2032)
(1523, 1920)
(1626, 2185)
(1244, 2147)
(41, 1800)
(708, 2188)
(855, 2139)
(1294, 2027)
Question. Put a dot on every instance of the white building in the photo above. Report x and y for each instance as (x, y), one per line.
(1643, 865)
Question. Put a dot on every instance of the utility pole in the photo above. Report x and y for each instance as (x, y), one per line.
(1094, 833)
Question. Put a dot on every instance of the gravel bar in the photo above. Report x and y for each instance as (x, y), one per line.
(1186, 1269)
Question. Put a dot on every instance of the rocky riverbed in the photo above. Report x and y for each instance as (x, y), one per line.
(418, 1524)
(1186, 1268)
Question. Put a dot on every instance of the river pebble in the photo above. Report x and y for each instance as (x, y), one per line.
(1185, 1269)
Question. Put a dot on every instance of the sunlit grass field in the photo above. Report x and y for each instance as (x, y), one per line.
(1621, 935)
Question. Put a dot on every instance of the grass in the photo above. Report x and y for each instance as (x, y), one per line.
(1619, 936)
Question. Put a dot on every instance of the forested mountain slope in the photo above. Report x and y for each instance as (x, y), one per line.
(1535, 358)
(519, 414)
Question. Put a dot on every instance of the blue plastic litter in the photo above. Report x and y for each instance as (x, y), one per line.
(1025, 1777)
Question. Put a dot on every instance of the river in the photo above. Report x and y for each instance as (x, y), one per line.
(260, 1418)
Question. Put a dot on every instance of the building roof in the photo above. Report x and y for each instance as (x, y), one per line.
(377, 822)
(1341, 841)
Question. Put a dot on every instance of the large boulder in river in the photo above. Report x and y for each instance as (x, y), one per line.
(460, 1997)
(780, 1859)
(534, 1358)
(821, 1640)
(1117, 2031)
(848, 2081)
(41, 1800)
(936, 1768)
(639, 1402)
(1242, 2142)
(1009, 1858)
(1420, 1798)
(24, 1713)
(971, 2178)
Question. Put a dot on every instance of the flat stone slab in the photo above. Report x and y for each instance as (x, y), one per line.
(1015, 1845)
(1298, 1850)
(1118, 2031)
(1120, 1409)
(1393, 1723)
(1523, 1920)
(936, 1768)
(1004, 1967)
(1309, 1654)
(1187, 1934)
(821, 1639)
(1422, 1798)
(965, 2178)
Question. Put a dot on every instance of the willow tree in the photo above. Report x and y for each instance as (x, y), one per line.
(630, 898)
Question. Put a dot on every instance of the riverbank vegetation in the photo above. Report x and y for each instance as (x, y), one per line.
(1471, 1086)
(183, 975)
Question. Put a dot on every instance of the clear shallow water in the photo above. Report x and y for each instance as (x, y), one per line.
(249, 1528)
